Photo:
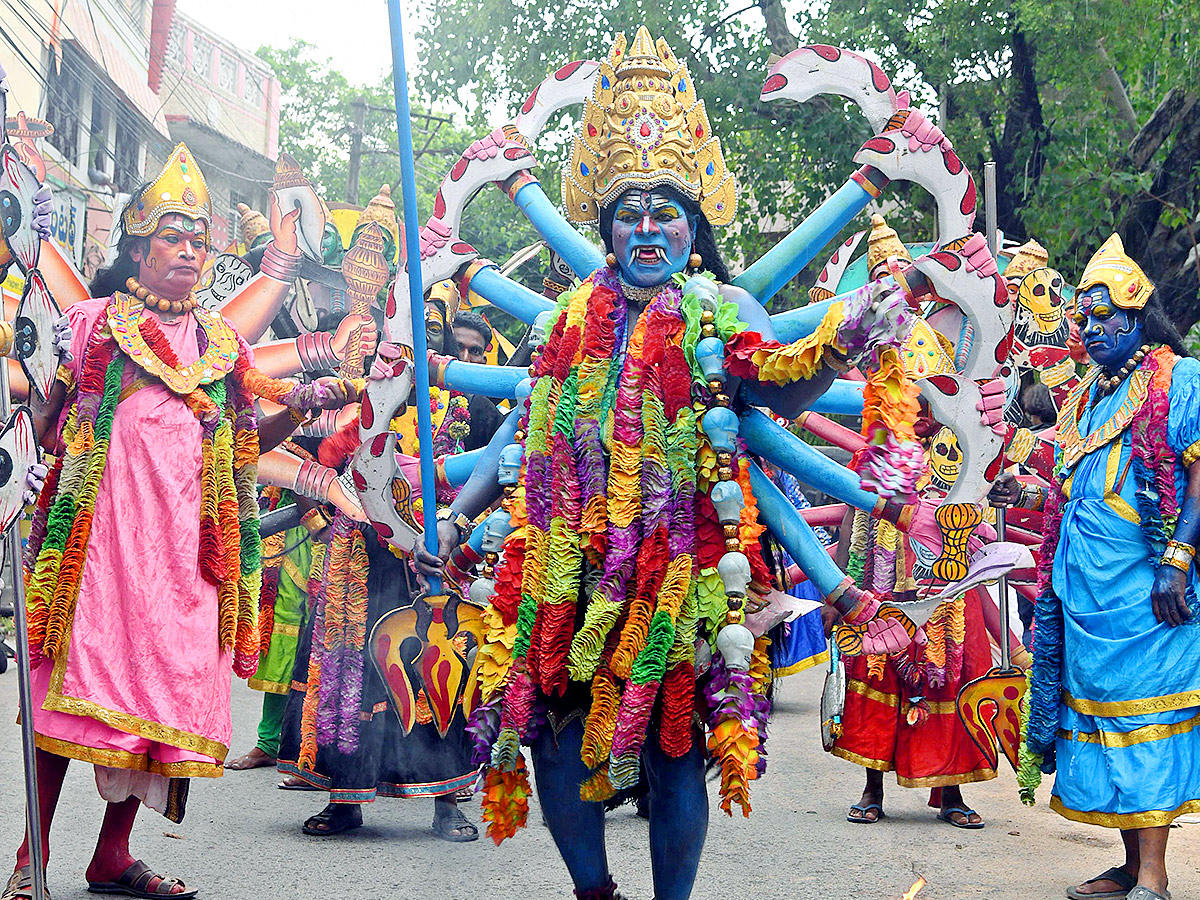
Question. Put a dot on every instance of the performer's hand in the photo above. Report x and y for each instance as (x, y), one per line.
(283, 227)
(388, 363)
(993, 399)
(922, 134)
(43, 211)
(368, 336)
(978, 256)
(344, 502)
(1006, 490)
(1168, 596)
(427, 563)
(63, 334)
(335, 392)
(35, 480)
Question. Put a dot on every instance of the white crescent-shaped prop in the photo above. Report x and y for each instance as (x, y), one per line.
(568, 86)
(17, 187)
(952, 400)
(837, 264)
(940, 172)
(33, 335)
(373, 465)
(820, 69)
(18, 451)
(294, 191)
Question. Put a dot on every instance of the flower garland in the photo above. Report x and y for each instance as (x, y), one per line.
(648, 526)
(230, 546)
(1154, 465)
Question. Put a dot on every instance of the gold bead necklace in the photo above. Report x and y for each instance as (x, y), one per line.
(176, 307)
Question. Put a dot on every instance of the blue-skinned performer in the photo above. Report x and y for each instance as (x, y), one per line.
(617, 619)
(1116, 675)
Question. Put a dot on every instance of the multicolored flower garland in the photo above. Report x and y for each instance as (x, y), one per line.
(647, 526)
(230, 549)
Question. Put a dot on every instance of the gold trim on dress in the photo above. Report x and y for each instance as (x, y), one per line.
(1155, 818)
(267, 687)
(56, 701)
(1112, 497)
(124, 317)
(123, 759)
(865, 761)
(1141, 735)
(822, 657)
(932, 781)
(1074, 445)
(864, 690)
(1116, 708)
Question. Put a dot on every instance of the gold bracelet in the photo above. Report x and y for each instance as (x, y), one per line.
(6, 337)
(314, 520)
(1181, 547)
(1178, 555)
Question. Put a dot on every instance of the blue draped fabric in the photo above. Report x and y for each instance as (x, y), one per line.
(1128, 745)
(800, 644)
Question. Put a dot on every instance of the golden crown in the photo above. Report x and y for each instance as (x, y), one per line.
(883, 244)
(1029, 256)
(643, 127)
(1126, 282)
(179, 188)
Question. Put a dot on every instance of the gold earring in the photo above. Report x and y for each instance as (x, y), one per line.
(695, 261)
(611, 259)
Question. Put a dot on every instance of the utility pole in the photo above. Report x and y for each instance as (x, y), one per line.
(359, 113)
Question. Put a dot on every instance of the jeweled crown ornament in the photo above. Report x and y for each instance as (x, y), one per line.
(382, 211)
(1029, 256)
(1126, 282)
(644, 127)
(179, 188)
(883, 244)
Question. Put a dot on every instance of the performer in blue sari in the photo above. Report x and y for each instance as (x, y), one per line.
(1115, 697)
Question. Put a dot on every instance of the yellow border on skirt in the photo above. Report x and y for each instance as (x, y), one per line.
(1154, 818)
(123, 759)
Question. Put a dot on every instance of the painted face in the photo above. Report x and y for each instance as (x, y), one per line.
(435, 328)
(1111, 335)
(651, 236)
(170, 263)
(471, 346)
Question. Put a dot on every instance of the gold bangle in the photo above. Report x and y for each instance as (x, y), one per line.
(6, 337)
(1182, 563)
(314, 520)
(1181, 547)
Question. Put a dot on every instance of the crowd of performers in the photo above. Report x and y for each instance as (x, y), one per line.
(625, 506)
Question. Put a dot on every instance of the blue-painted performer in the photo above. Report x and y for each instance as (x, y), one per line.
(1115, 685)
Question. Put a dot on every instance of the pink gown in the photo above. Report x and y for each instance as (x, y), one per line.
(144, 685)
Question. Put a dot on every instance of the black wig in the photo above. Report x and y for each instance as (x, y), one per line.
(112, 278)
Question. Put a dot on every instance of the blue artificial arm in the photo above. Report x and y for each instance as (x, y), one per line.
(577, 251)
(482, 488)
(506, 294)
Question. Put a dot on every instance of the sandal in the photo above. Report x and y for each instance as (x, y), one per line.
(1144, 893)
(454, 827)
(947, 816)
(296, 783)
(20, 885)
(331, 821)
(134, 880)
(1116, 875)
(862, 809)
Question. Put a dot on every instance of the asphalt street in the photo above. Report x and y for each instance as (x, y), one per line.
(241, 838)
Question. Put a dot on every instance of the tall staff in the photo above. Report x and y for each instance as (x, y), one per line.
(408, 183)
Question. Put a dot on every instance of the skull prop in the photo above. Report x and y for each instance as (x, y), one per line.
(1040, 327)
(735, 643)
(945, 459)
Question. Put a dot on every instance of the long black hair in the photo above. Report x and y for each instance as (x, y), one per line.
(1158, 329)
(112, 278)
(703, 241)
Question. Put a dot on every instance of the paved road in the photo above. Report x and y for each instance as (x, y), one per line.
(241, 838)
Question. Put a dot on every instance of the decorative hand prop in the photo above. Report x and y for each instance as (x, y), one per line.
(63, 333)
(43, 210)
(283, 227)
(35, 480)
(922, 134)
(991, 404)
(368, 336)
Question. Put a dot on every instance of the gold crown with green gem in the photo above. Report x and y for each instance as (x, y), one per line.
(179, 188)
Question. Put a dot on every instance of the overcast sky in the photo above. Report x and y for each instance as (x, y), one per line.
(353, 32)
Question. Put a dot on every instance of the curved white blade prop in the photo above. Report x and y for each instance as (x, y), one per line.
(17, 186)
(18, 451)
(33, 335)
(568, 86)
(820, 69)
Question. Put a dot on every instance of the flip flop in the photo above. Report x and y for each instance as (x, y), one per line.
(320, 826)
(1120, 876)
(20, 885)
(452, 825)
(946, 816)
(1144, 893)
(292, 786)
(864, 809)
(133, 883)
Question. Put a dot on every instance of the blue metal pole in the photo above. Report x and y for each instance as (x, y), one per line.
(578, 252)
(783, 262)
(408, 183)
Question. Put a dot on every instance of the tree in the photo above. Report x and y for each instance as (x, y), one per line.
(1089, 109)
(316, 126)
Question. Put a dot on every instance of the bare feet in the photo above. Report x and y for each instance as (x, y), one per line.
(255, 759)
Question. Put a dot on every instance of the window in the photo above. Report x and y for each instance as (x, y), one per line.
(126, 172)
(99, 153)
(62, 108)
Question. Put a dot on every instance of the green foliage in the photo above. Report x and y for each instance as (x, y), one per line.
(316, 125)
(1019, 81)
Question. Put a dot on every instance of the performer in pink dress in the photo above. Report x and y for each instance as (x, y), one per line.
(143, 570)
